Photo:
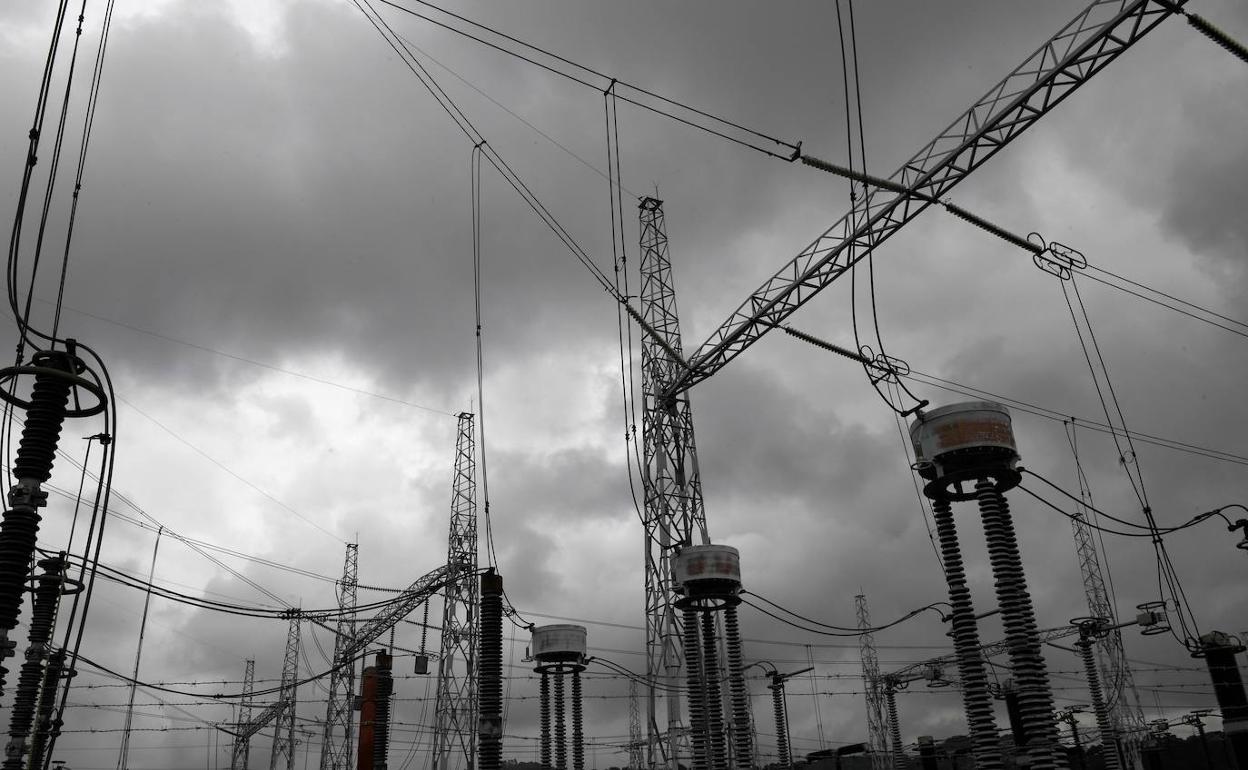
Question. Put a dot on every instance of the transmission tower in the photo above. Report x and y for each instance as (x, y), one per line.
(284, 719)
(336, 738)
(672, 486)
(242, 743)
(455, 710)
(877, 734)
(1126, 714)
(636, 742)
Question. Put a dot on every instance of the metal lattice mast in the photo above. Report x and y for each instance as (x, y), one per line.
(636, 741)
(284, 720)
(242, 743)
(1126, 714)
(455, 733)
(877, 731)
(672, 486)
(1100, 33)
(336, 738)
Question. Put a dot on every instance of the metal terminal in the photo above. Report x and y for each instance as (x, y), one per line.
(1057, 259)
(1152, 618)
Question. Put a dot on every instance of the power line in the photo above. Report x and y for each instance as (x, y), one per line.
(230, 471)
(693, 119)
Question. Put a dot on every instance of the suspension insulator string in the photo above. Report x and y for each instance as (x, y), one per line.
(976, 700)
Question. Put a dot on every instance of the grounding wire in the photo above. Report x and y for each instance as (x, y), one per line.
(257, 488)
(475, 192)
(465, 125)
(88, 123)
(407, 41)
(1028, 407)
(254, 362)
(793, 149)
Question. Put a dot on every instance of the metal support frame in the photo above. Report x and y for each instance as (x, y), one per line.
(283, 754)
(242, 743)
(1080, 49)
(672, 486)
(336, 737)
(1126, 716)
(455, 711)
(877, 738)
(636, 739)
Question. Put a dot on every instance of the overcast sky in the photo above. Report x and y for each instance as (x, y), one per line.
(275, 222)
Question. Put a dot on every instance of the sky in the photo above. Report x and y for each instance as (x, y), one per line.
(273, 256)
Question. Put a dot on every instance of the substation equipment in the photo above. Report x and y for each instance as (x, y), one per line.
(559, 651)
(967, 451)
(708, 581)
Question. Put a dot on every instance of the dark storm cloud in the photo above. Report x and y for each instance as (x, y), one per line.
(308, 201)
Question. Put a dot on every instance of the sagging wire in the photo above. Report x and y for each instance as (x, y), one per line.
(790, 150)
(1148, 530)
(831, 629)
(856, 137)
(624, 329)
(475, 189)
(1169, 584)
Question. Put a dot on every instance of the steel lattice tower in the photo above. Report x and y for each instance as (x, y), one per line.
(284, 721)
(242, 744)
(1126, 715)
(672, 486)
(636, 741)
(877, 729)
(455, 733)
(336, 738)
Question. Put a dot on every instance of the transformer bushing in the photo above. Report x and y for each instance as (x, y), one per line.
(490, 674)
(57, 375)
(1219, 650)
(967, 451)
(559, 650)
(708, 580)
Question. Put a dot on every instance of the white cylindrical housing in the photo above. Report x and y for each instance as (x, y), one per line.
(973, 433)
(558, 643)
(712, 571)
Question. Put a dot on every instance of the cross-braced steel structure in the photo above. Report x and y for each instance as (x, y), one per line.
(877, 730)
(455, 734)
(1125, 713)
(1086, 45)
(242, 743)
(283, 755)
(674, 512)
(336, 737)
